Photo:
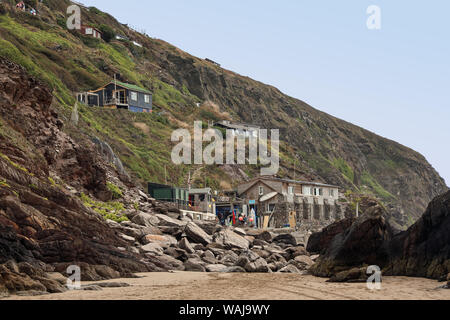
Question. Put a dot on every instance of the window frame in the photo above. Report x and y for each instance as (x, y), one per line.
(318, 192)
(133, 93)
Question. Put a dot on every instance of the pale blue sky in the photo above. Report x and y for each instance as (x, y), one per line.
(393, 81)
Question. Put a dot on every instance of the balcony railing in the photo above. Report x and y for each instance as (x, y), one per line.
(116, 101)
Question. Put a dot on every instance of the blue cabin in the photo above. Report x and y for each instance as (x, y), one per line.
(119, 95)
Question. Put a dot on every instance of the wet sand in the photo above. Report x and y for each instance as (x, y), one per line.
(213, 286)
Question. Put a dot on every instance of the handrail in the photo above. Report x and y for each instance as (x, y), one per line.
(111, 101)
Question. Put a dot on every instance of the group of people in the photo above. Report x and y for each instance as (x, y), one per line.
(21, 6)
(241, 220)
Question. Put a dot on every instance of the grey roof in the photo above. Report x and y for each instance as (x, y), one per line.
(241, 126)
(318, 184)
(200, 191)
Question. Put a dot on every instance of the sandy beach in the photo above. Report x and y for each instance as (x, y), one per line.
(214, 286)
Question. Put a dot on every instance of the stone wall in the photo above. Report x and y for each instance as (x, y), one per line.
(311, 213)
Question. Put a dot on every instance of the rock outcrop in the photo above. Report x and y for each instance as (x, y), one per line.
(424, 249)
(421, 251)
(43, 224)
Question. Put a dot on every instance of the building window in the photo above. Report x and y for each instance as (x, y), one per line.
(290, 190)
(89, 31)
(271, 207)
(331, 193)
(134, 96)
(318, 192)
(147, 98)
(307, 191)
(261, 191)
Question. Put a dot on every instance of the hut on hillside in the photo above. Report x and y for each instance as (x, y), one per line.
(118, 95)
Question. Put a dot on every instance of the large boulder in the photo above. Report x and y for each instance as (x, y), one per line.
(229, 259)
(196, 234)
(240, 232)
(293, 252)
(209, 227)
(209, 257)
(186, 245)
(177, 253)
(262, 253)
(260, 234)
(424, 249)
(195, 265)
(173, 263)
(302, 262)
(145, 219)
(286, 238)
(250, 267)
(242, 261)
(318, 242)
(154, 248)
(166, 221)
(261, 266)
(231, 240)
(289, 269)
(165, 241)
(234, 269)
(365, 242)
(216, 268)
(421, 251)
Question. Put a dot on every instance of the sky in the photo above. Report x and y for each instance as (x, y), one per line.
(394, 81)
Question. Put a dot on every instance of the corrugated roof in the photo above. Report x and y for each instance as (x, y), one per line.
(299, 182)
(241, 126)
(200, 191)
(132, 87)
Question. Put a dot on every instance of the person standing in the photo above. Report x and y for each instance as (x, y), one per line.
(252, 218)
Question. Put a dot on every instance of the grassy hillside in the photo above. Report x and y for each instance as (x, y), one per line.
(316, 145)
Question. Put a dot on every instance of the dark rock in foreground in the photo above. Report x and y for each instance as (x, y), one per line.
(424, 249)
(318, 242)
(421, 251)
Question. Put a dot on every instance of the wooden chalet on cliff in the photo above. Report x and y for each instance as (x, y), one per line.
(91, 31)
(118, 95)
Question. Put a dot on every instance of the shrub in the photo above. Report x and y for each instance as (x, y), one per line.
(2, 9)
(108, 33)
(89, 41)
(109, 210)
(115, 190)
(95, 10)
(61, 22)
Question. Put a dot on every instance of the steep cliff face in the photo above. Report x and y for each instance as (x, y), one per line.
(320, 147)
(43, 225)
(323, 147)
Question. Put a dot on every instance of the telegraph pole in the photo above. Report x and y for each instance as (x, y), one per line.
(165, 174)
